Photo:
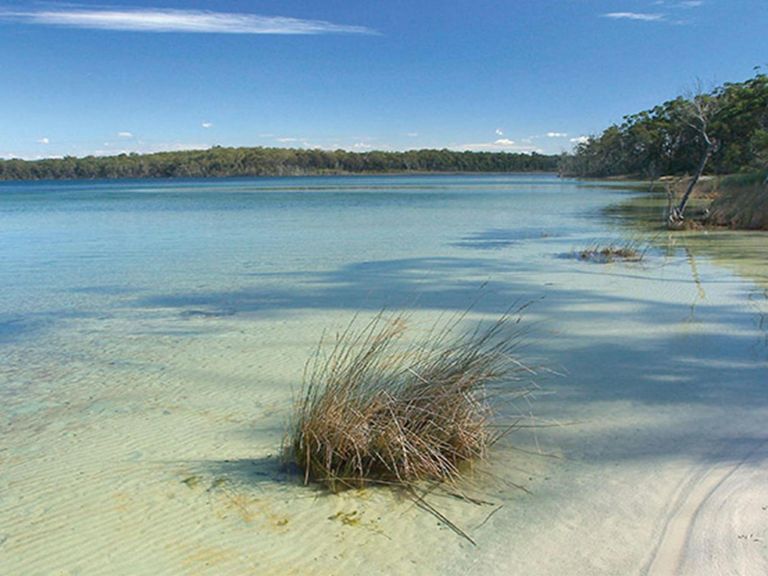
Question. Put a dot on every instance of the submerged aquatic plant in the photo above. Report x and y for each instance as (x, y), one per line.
(626, 251)
(379, 410)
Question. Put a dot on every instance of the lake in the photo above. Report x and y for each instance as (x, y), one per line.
(152, 334)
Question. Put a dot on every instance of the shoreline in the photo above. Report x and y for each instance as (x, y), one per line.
(737, 202)
(285, 176)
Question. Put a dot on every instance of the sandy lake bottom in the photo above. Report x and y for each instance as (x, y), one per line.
(152, 335)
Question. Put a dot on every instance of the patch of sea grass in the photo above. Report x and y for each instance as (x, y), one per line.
(382, 409)
(625, 251)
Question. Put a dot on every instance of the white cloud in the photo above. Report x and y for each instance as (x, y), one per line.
(557, 135)
(287, 140)
(168, 20)
(499, 132)
(361, 146)
(412, 134)
(500, 145)
(691, 3)
(207, 124)
(125, 135)
(641, 16)
(33, 157)
(141, 147)
(579, 140)
(43, 141)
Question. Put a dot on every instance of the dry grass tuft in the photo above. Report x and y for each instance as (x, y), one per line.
(378, 410)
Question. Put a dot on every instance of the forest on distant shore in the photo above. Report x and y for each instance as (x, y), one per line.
(221, 162)
(724, 130)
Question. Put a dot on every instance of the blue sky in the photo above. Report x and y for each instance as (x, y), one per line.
(517, 75)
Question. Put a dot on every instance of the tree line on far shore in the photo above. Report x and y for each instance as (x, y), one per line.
(222, 162)
(724, 130)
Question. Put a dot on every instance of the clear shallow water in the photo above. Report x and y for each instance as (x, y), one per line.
(151, 331)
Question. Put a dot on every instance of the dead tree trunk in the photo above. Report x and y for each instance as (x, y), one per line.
(701, 109)
(677, 214)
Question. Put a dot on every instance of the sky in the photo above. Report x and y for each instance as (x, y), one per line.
(499, 75)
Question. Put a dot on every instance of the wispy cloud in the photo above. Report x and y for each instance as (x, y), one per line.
(207, 125)
(125, 135)
(167, 20)
(557, 134)
(43, 141)
(500, 145)
(669, 9)
(579, 140)
(499, 132)
(641, 16)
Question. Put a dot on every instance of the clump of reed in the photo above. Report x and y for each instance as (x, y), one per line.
(742, 204)
(626, 251)
(378, 409)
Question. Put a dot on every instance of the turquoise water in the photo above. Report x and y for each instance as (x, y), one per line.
(89, 248)
(152, 332)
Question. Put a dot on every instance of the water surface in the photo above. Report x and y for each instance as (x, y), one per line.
(152, 332)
